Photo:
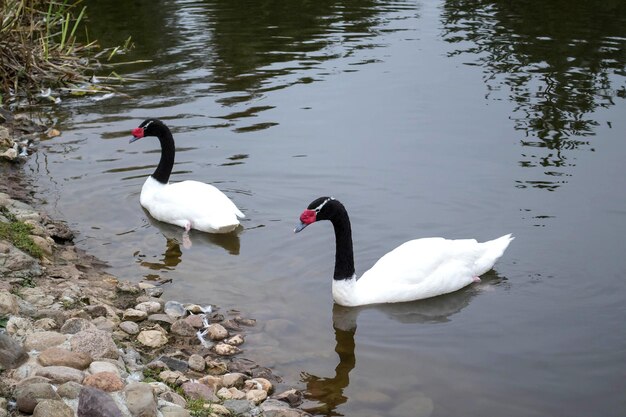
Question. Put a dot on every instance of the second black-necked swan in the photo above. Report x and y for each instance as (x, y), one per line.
(417, 269)
(188, 204)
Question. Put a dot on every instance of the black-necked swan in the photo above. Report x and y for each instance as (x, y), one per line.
(417, 269)
(188, 204)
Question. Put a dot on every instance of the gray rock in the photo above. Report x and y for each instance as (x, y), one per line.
(102, 323)
(61, 374)
(233, 379)
(216, 332)
(149, 307)
(174, 364)
(182, 328)
(238, 407)
(16, 264)
(69, 390)
(197, 391)
(174, 398)
(132, 314)
(103, 366)
(161, 318)
(28, 396)
(53, 408)
(93, 402)
(196, 362)
(141, 400)
(152, 338)
(43, 340)
(154, 292)
(56, 356)
(12, 354)
(75, 325)
(37, 296)
(173, 411)
(96, 311)
(96, 343)
(174, 309)
(8, 304)
(129, 327)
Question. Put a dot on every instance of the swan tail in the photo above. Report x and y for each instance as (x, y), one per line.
(493, 250)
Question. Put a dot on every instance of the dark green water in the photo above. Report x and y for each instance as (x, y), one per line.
(446, 118)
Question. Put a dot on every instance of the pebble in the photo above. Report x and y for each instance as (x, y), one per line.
(182, 328)
(141, 400)
(132, 314)
(53, 408)
(196, 362)
(152, 338)
(61, 374)
(216, 332)
(97, 343)
(197, 391)
(42, 340)
(56, 356)
(129, 327)
(28, 396)
(174, 309)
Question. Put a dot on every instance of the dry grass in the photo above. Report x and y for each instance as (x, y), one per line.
(39, 49)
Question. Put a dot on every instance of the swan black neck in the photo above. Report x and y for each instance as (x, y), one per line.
(344, 255)
(168, 151)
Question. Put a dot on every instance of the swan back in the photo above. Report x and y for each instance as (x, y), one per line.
(419, 269)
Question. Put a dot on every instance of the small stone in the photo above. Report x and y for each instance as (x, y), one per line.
(75, 325)
(197, 391)
(152, 338)
(97, 343)
(214, 367)
(141, 400)
(257, 396)
(174, 411)
(61, 374)
(69, 390)
(53, 133)
(196, 362)
(154, 291)
(258, 383)
(174, 309)
(106, 381)
(102, 323)
(195, 320)
(161, 318)
(194, 308)
(174, 398)
(128, 287)
(46, 323)
(224, 349)
(44, 244)
(96, 311)
(173, 377)
(292, 397)
(236, 340)
(28, 396)
(212, 381)
(132, 314)
(216, 332)
(150, 307)
(233, 379)
(220, 410)
(231, 393)
(103, 366)
(12, 354)
(56, 356)
(182, 328)
(245, 322)
(53, 408)
(174, 364)
(238, 407)
(8, 304)
(129, 327)
(93, 402)
(43, 340)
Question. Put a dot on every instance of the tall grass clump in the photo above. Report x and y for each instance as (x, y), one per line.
(39, 48)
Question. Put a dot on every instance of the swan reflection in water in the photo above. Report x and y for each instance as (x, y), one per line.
(173, 241)
(328, 392)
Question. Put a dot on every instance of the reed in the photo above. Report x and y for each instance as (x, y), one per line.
(39, 49)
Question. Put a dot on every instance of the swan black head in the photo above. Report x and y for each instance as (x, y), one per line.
(149, 127)
(323, 208)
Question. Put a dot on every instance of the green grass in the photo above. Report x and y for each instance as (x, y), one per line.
(18, 233)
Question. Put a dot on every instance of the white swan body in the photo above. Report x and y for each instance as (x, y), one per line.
(188, 204)
(417, 269)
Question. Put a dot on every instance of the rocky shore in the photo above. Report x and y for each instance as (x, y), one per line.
(77, 341)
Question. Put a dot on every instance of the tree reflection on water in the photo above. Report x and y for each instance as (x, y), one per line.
(558, 62)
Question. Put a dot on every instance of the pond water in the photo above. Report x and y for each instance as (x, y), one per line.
(425, 118)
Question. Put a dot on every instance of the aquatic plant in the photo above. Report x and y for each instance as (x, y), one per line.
(40, 50)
